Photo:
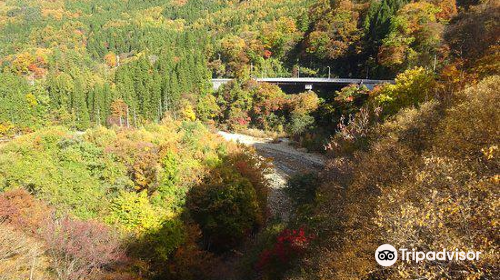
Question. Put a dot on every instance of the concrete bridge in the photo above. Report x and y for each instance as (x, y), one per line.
(308, 83)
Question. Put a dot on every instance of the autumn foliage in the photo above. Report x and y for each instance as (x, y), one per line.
(413, 189)
(74, 249)
(289, 245)
(80, 249)
(230, 204)
(110, 167)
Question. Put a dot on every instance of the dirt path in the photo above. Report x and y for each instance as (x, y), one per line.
(287, 161)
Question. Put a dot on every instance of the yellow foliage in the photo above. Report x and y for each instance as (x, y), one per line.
(31, 99)
(134, 212)
(489, 64)
(409, 89)
(110, 59)
(22, 62)
(428, 181)
(187, 112)
(6, 128)
(55, 14)
(149, 17)
(304, 103)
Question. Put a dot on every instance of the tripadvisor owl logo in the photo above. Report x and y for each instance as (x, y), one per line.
(386, 255)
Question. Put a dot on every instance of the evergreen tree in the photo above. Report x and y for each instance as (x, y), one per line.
(80, 106)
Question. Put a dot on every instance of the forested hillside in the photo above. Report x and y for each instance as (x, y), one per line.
(157, 56)
(110, 167)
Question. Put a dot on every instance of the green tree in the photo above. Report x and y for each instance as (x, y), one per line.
(226, 208)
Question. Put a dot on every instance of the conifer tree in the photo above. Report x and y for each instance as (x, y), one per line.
(80, 106)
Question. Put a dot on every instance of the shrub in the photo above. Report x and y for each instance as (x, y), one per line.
(134, 212)
(6, 128)
(206, 108)
(61, 169)
(187, 111)
(303, 103)
(263, 240)
(250, 103)
(20, 256)
(267, 100)
(301, 188)
(141, 158)
(429, 180)
(250, 166)
(410, 89)
(234, 103)
(289, 245)
(476, 116)
(21, 210)
(299, 123)
(110, 59)
(350, 99)
(189, 262)
(134, 179)
(80, 249)
(353, 134)
(473, 38)
(299, 109)
(225, 206)
(156, 245)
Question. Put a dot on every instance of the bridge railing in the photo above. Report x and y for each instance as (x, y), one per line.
(311, 80)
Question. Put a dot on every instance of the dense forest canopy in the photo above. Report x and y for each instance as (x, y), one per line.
(158, 56)
(110, 167)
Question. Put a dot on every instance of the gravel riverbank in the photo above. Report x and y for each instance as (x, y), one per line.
(287, 161)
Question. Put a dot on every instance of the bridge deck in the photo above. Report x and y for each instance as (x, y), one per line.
(322, 80)
(308, 81)
(314, 80)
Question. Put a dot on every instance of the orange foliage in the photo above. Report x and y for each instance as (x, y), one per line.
(189, 262)
(40, 72)
(178, 3)
(110, 59)
(489, 64)
(141, 159)
(21, 210)
(390, 55)
(448, 9)
(119, 113)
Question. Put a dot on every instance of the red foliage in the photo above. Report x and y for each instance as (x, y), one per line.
(289, 245)
(37, 70)
(40, 72)
(21, 210)
(80, 249)
(267, 53)
(41, 61)
(77, 249)
(32, 67)
(243, 121)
